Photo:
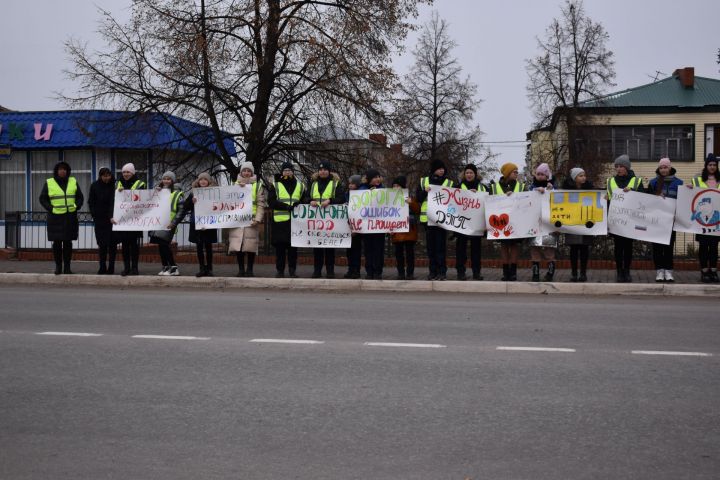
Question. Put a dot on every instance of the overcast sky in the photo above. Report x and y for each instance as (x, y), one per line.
(494, 39)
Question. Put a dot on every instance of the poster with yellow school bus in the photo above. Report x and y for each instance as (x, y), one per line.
(579, 212)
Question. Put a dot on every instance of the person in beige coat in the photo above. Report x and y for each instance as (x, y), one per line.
(245, 240)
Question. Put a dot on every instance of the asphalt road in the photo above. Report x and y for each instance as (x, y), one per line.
(627, 388)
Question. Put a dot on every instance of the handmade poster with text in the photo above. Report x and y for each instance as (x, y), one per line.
(141, 210)
(579, 212)
(513, 216)
(223, 207)
(698, 211)
(641, 216)
(456, 210)
(380, 210)
(318, 227)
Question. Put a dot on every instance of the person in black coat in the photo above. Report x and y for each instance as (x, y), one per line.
(205, 238)
(62, 198)
(280, 230)
(101, 202)
(131, 239)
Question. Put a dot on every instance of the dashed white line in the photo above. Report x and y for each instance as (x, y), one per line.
(170, 337)
(280, 340)
(537, 349)
(71, 334)
(411, 345)
(662, 352)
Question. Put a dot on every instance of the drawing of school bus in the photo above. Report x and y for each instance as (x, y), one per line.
(575, 208)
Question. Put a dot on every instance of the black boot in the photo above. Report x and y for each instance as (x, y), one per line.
(628, 277)
(401, 273)
(209, 271)
(535, 272)
(574, 275)
(330, 272)
(111, 261)
(250, 264)
(461, 274)
(513, 272)
(67, 257)
(506, 273)
(477, 275)
(620, 276)
(202, 272)
(241, 264)
(583, 276)
(291, 273)
(551, 272)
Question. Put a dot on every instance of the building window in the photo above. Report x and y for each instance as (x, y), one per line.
(643, 143)
(12, 183)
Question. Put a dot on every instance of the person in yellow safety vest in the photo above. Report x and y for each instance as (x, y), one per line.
(284, 193)
(62, 198)
(130, 240)
(163, 238)
(435, 237)
(469, 181)
(509, 247)
(624, 180)
(324, 189)
(708, 244)
(246, 240)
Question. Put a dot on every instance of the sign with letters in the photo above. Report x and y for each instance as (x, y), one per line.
(141, 210)
(641, 216)
(379, 210)
(513, 216)
(456, 210)
(698, 211)
(318, 227)
(223, 207)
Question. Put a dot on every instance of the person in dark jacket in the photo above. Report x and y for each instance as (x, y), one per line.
(579, 244)
(101, 201)
(708, 244)
(666, 185)
(62, 198)
(404, 242)
(204, 238)
(373, 243)
(624, 180)
(469, 181)
(324, 189)
(284, 193)
(435, 237)
(130, 240)
(354, 253)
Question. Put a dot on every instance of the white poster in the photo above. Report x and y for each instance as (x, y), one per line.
(223, 207)
(318, 227)
(698, 211)
(641, 216)
(513, 216)
(579, 212)
(457, 210)
(141, 210)
(380, 210)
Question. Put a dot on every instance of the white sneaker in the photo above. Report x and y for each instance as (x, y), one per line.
(669, 276)
(174, 271)
(660, 277)
(165, 271)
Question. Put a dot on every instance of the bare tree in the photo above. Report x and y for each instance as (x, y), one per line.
(262, 70)
(574, 63)
(436, 104)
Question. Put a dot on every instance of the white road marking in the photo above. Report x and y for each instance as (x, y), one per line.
(170, 337)
(662, 352)
(71, 334)
(279, 340)
(411, 345)
(537, 349)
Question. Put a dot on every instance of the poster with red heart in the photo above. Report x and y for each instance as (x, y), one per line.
(513, 216)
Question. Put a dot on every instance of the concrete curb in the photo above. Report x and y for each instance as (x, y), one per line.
(231, 283)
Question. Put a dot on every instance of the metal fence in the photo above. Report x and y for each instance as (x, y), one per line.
(27, 231)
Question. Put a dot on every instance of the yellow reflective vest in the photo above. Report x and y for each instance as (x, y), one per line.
(633, 184)
(327, 194)
(138, 185)
(698, 182)
(481, 187)
(496, 189)
(424, 183)
(255, 188)
(62, 201)
(283, 196)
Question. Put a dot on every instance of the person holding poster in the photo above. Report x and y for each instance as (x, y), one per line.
(544, 246)
(666, 185)
(205, 238)
(163, 238)
(374, 243)
(404, 242)
(469, 181)
(509, 248)
(286, 192)
(354, 253)
(101, 201)
(624, 180)
(62, 198)
(324, 190)
(435, 237)
(708, 251)
(244, 240)
(579, 244)
(130, 240)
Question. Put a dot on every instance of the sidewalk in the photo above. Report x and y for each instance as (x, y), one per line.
(601, 282)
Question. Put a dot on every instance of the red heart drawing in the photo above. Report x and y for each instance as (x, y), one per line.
(499, 222)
